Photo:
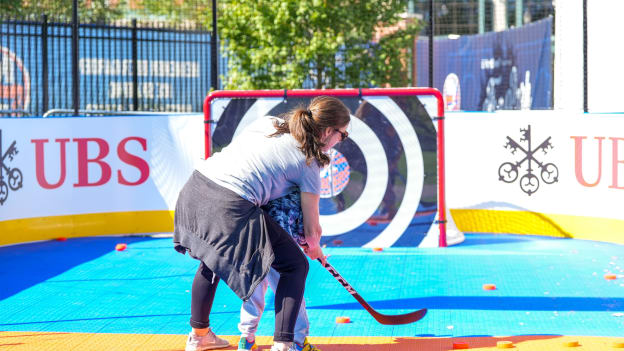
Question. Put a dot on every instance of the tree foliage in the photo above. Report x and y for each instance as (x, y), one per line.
(179, 11)
(274, 44)
(94, 10)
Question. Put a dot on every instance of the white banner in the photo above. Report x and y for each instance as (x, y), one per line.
(605, 55)
(549, 163)
(72, 166)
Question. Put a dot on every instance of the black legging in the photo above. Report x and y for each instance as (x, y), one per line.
(292, 266)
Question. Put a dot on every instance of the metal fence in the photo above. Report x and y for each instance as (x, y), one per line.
(130, 66)
(464, 17)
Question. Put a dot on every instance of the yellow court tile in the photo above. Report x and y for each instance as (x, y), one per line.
(39, 341)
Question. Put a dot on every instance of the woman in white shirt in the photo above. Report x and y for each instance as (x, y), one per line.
(220, 222)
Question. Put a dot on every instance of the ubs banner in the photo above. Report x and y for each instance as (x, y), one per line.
(545, 173)
(508, 70)
(78, 176)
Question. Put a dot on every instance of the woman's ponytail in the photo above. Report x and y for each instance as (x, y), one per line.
(306, 125)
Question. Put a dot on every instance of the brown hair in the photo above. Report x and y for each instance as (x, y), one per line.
(307, 124)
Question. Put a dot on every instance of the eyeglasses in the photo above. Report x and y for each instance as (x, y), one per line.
(343, 135)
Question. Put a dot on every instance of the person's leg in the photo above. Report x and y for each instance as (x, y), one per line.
(293, 267)
(202, 295)
(302, 325)
(286, 211)
(252, 309)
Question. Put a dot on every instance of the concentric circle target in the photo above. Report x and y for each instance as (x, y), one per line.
(377, 184)
(415, 171)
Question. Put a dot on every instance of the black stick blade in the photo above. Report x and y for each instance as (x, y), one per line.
(381, 318)
(400, 319)
(391, 319)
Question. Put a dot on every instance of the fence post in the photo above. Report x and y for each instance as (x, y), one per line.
(44, 60)
(75, 72)
(214, 80)
(431, 35)
(135, 67)
(585, 104)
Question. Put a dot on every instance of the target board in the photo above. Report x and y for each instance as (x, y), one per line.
(381, 187)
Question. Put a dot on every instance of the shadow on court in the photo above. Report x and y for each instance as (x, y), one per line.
(26, 265)
(500, 303)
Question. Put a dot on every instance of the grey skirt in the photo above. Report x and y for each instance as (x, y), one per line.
(226, 232)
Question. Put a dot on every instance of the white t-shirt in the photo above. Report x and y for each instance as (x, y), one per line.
(261, 169)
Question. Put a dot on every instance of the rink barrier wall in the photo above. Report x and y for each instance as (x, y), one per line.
(577, 167)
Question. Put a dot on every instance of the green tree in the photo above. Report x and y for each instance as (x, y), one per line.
(273, 44)
(94, 10)
(197, 12)
(9, 7)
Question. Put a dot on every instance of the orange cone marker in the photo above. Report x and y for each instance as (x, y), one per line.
(460, 346)
(489, 287)
(377, 249)
(121, 247)
(573, 343)
(505, 345)
(610, 276)
(343, 320)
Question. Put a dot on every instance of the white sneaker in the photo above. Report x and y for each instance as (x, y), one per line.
(291, 348)
(207, 342)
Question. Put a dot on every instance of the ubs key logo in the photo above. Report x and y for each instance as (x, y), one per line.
(14, 175)
(529, 183)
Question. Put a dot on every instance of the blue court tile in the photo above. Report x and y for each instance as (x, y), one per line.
(544, 286)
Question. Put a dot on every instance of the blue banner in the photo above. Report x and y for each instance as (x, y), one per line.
(508, 70)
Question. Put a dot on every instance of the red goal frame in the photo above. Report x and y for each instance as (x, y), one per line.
(309, 93)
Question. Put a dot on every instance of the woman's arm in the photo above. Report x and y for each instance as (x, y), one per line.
(311, 225)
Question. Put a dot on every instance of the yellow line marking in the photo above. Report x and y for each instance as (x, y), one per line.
(21, 341)
(93, 224)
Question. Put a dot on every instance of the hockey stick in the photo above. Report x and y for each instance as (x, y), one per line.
(381, 318)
